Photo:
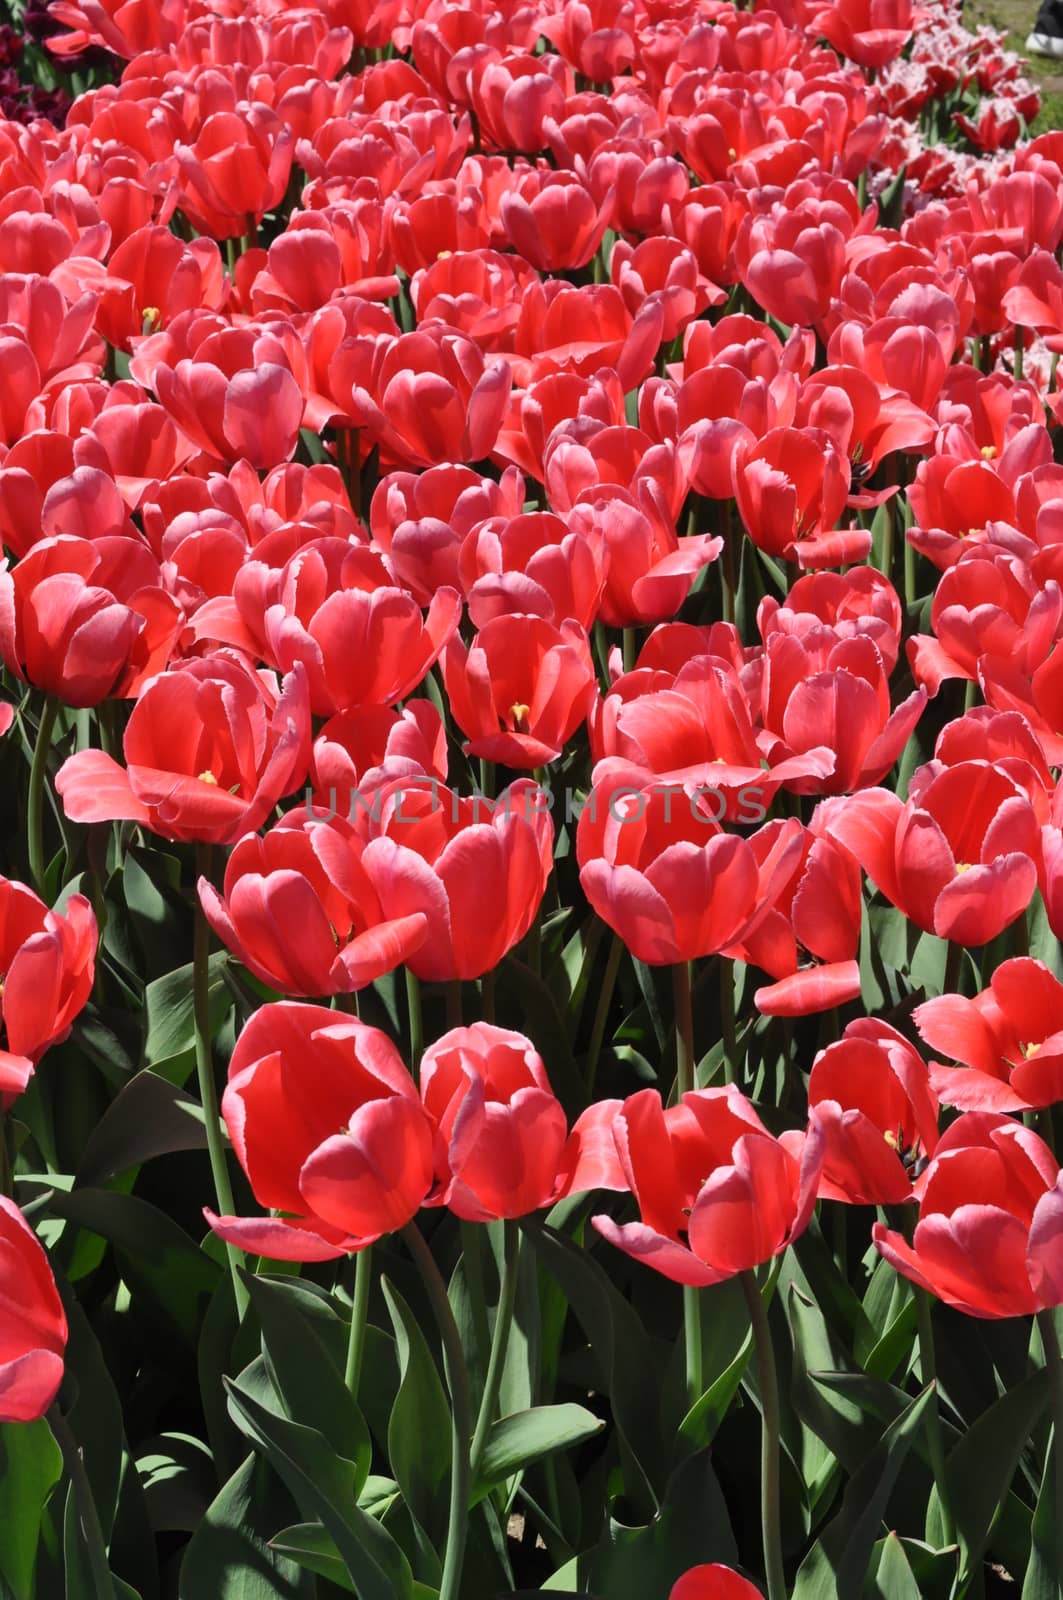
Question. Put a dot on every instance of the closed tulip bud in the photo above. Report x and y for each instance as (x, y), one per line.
(326, 1123)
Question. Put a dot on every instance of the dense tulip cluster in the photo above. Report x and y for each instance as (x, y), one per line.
(497, 501)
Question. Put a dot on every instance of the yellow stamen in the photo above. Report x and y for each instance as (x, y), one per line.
(208, 777)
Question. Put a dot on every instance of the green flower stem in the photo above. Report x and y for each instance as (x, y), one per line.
(208, 1092)
(507, 1300)
(684, 1043)
(88, 1516)
(935, 1436)
(953, 968)
(413, 1010)
(769, 1445)
(728, 585)
(35, 798)
(728, 1031)
(684, 1028)
(460, 1411)
(1046, 1322)
(363, 1277)
(601, 1014)
(454, 1016)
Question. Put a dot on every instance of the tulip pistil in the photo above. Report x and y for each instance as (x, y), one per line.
(208, 777)
(912, 1158)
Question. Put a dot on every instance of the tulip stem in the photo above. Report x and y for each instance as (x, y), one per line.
(35, 798)
(727, 566)
(601, 650)
(1046, 1322)
(684, 1028)
(454, 1017)
(631, 649)
(769, 1445)
(601, 1014)
(728, 1032)
(460, 1412)
(363, 1278)
(507, 1299)
(935, 1437)
(88, 1516)
(684, 1080)
(413, 1010)
(208, 1090)
(953, 963)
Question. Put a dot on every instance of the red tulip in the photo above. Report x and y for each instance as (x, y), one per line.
(33, 1329)
(817, 691)
(870, 32)
(861, 603)
(665, 878)
(476, 292)
(990, 1219)
(668, 270)
(35, 464)
(791, 259)
(151, 278)
(86, 620)
(235, 170)
(650, 570)
(514, 97)
(595, 37)
(358, 751)
(1035, 696)
(128, 28)
(696, 729)
(791, 489)
(341, 248)
(533, 564)
(987, 603)
(419, 519)
(47, 962)
(714, 1582)
(210, 748)
(503, 1148)
(428, 397)
(584, 330)
(534, 413)
(520, 690)
(870, 1093)
(299, 911)
(1009, 1037)
(818, 910)
(717, 1194)
(553, 220)
(326, 1123)
(433, 851)
(58, 328)
(330, 609)
(959, 859)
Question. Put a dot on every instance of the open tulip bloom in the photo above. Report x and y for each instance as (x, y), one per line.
(531, 617)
